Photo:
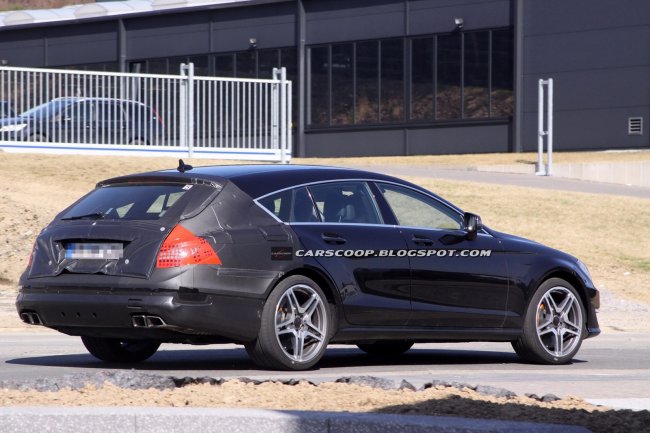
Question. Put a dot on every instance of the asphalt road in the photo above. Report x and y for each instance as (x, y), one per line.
(514, 179)
(612, 368)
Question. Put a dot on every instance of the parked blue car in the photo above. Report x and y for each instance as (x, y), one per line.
(87, 121)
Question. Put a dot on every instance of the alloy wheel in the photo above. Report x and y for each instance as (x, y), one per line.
(559, 321)
(301, 323)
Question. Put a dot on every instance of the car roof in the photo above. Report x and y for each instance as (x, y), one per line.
(85, 98)
(257, 180)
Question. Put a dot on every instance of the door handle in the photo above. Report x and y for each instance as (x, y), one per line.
(421, 240)
(333, 238)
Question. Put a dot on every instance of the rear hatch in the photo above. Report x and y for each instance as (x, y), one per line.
(117, 229)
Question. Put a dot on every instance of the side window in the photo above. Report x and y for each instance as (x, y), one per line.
(413, 209)
(79, 112)
(294, 206)
(345, 202)
(108, 112)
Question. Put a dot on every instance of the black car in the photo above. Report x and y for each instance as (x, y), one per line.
(285, 259)
(6, 110)
(85, 121)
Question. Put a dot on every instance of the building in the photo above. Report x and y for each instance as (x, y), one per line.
(382, 77)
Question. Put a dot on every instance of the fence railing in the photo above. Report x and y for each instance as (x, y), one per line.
(62, 111)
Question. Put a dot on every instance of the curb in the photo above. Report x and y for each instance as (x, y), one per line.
(195, 420)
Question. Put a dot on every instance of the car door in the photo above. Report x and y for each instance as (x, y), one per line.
(342, 237)
(110, 125)
(455, 282)
(75, 125)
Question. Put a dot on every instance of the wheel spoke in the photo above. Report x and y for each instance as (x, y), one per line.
(545, 327)
(314, 332)
(298, 345)
(559, 342)
(310, 306)
(290, 330)
(571, 327)
(565, 307)
(293, 301)
(548, 299)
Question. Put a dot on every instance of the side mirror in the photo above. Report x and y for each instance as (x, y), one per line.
(472, 224)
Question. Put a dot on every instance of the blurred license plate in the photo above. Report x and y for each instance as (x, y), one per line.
(110, 251)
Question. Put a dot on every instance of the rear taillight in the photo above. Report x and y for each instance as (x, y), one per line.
(157, 116)
(31, 256)
(182, 248)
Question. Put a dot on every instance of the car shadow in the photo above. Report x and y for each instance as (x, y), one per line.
(237, 360)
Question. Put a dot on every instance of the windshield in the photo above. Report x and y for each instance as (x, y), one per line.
(46, 110)
(129, 202)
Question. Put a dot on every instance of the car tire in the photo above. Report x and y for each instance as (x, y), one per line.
(115, 350)
(295, 327)
(139, 142)
(554, 325)
(38, 138)
(386, 348)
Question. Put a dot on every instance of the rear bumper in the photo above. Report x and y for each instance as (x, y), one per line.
(186, 317)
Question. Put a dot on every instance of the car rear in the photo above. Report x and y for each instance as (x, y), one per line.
(137, 258)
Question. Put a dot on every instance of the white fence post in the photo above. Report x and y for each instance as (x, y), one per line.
(182, 108)
(544, 130)
(275, 105)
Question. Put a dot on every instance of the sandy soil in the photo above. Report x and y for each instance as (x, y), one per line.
(350, 398)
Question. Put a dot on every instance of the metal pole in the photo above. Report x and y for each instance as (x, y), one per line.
(190, 110)
(274, 110)
(549, 128)
(182, 107)
(540, 127)
(284, 142)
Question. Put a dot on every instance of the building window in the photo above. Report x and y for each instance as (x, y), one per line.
(246, 64)
(342, 84)
(362, 82)
(453, 76)
(100, 67)
(319, 86)
(224, 65)
(501, 95)
(367, 82)
(471, 76)
(448, 76)
(392, 80)
(422, 73)
(477, 75)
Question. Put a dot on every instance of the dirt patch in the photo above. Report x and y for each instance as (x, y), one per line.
(439, 400)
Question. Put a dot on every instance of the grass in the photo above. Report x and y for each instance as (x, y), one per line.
(605, 231)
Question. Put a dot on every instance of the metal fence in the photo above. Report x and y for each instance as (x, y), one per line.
(63, 111)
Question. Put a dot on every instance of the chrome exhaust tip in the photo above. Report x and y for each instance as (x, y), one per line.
(31, 318)
(147, 321)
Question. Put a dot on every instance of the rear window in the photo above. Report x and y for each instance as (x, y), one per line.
(129, 202)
